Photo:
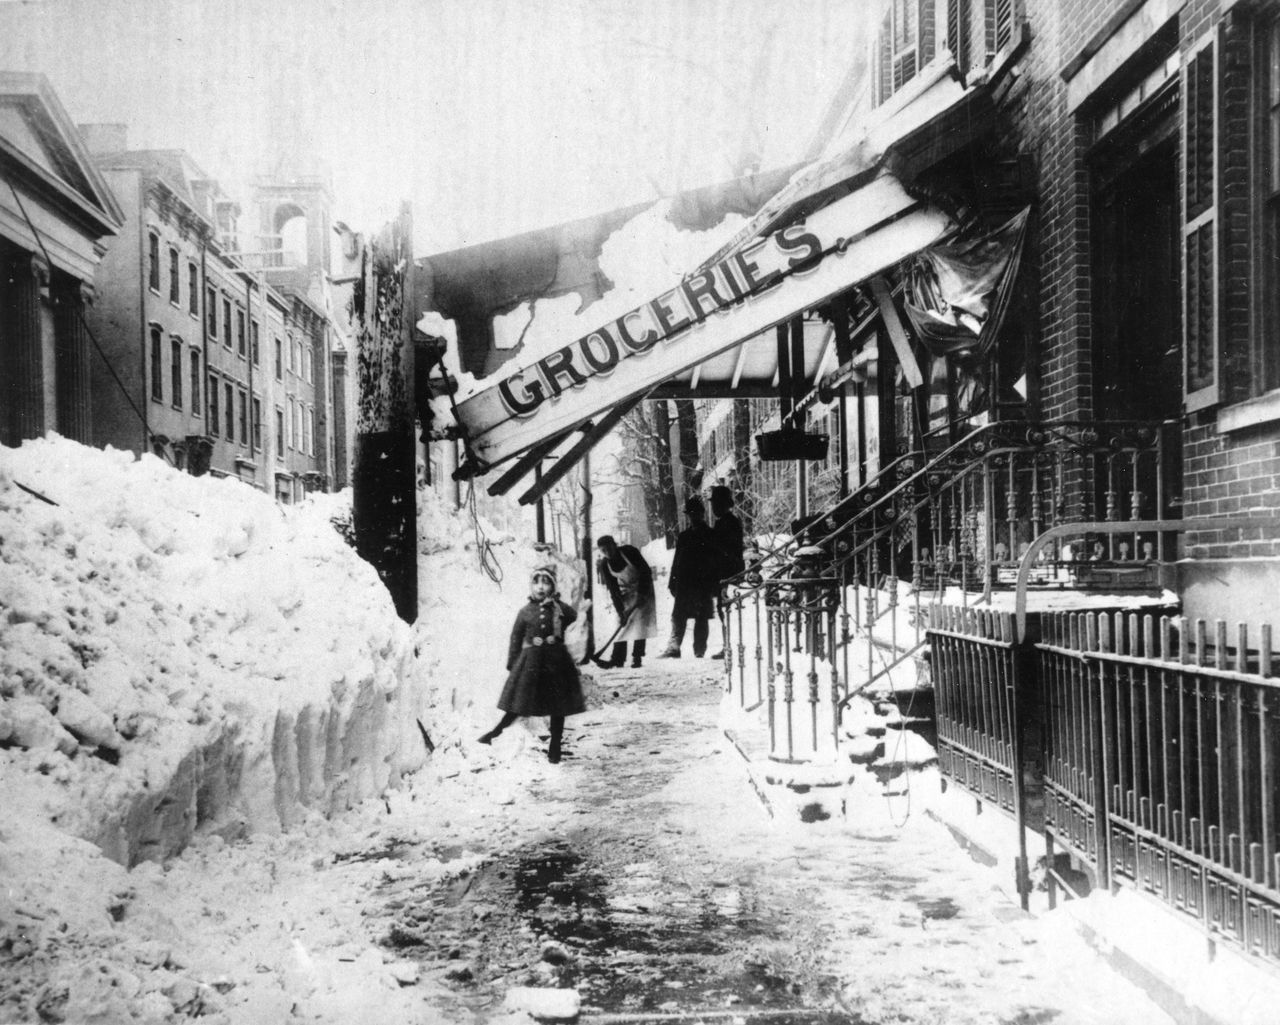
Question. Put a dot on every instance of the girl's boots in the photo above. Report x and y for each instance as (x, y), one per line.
(507, 720)
(557, 732)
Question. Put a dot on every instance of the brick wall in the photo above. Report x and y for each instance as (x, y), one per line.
(1231, 476)
(1223, 474)
(1054, 140)
(1238, 473)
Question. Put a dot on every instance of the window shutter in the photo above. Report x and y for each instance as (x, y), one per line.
(1200, 227)
(884, 57)
(999, 25)
(958, 32)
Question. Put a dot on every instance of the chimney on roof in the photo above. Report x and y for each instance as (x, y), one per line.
(105, 138)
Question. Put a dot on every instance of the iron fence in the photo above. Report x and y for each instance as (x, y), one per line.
(1160, 743)
(976, 678)
(974, 665)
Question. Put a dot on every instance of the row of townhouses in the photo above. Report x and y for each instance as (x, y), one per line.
(1006, 343)
(140, 313)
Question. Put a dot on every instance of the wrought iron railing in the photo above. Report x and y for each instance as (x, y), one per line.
(950, 527)
(973, 655)
(977, 693)
(1161, 740)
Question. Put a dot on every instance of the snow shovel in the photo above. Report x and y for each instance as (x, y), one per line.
(622, 622)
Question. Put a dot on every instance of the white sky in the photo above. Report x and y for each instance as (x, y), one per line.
(489, 117)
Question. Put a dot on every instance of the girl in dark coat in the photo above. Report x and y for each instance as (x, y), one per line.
(541, 677)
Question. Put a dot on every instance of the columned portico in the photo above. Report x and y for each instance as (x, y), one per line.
(75, 409)
(56, 212)
(26, 280)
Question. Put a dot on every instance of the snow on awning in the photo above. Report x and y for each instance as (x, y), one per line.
(844, 219)
(712, 310)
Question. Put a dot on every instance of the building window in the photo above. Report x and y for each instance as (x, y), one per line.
(904, 45)
(153, 257)
(279, 360)
(243, 409)
(306, 363)
(1270, 354)
(175, 371)
(1200, 227)
(279, 432)
(240, 341)
(257, 424)
(290, 437)
(253, 341)
(214, 392)
(311, 430)
(226, 321)
(211, 311)
(958, 32)
(229, 395)
(193, 289)
(299, 441)
(1000, 25)
(157, 370)
(196, 378)
(175, 276)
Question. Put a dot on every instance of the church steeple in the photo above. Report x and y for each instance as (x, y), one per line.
(293, 191)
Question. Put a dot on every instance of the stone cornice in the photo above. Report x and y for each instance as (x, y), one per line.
(20, 170)
(175, 210)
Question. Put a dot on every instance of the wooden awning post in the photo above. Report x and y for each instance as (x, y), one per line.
(384, 506)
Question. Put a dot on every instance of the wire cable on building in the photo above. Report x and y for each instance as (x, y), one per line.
(88, 330)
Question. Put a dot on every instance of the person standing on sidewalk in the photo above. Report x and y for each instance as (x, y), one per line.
(694, 580)
(727, 529)
(541, 676)
(629, 580)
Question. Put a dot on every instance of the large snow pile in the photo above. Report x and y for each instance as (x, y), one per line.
(182, 658)
(179, 652)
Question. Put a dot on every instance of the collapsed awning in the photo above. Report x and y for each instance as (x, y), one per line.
(839, 223)
(957, 294)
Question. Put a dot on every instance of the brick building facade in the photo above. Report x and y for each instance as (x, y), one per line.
(1151, 131)
(226, 371)
(1145, 137)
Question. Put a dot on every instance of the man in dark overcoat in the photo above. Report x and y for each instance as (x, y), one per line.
(695, 580)
(727, 529)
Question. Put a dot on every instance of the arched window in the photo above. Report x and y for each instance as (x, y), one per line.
(290, 225)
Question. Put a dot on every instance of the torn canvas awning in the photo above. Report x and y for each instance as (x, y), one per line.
(758, 285)
(958, 292)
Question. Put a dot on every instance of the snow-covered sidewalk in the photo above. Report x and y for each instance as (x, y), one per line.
(671, 888)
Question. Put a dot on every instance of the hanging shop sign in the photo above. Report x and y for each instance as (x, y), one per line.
(745, 292)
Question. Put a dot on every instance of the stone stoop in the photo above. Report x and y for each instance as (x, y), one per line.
(794, 792)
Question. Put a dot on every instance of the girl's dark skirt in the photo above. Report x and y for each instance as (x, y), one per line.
(543, 681)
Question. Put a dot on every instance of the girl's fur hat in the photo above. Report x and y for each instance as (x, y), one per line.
(547, 570)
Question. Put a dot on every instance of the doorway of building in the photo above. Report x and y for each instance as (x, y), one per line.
(1137, 327)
